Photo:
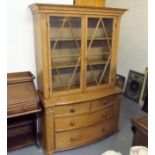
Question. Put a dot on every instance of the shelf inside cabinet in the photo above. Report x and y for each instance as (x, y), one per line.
(65, 51)
(65, 39)
(65, 64)
(22, 123)
(96, 62)
(65, 55)
(99, 38)
(92, 83)
(98, 53)
(79, 39)
(62, 88)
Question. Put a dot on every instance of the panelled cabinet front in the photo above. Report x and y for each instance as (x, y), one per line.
(65, 35)
(80, 49)
(76, 52)
(99, 40)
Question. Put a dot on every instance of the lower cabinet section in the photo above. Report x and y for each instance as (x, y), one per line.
(72, 123)
(85, 135)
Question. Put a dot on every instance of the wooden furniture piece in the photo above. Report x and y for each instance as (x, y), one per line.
(22, 109)
(76, 51)
(94, 3)
(140, 130)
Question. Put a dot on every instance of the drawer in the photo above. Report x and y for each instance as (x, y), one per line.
(84, 135)
(83, 120)
(72, 109)
(107, 101)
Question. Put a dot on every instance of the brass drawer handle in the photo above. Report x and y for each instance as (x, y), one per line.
(104, 115)
(72, 123)
(106, 103)
(24, 108)
(72, 110)
(103, 130)
(72, 139)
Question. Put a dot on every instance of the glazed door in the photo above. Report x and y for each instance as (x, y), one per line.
(66, 53)
(99, 51)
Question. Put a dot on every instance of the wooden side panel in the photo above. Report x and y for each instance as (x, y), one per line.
(42, 61)
(117, 110)
(48, 131)
(116, 26)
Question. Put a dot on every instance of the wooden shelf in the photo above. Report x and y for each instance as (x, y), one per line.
(98, 50)
(79, 39)
(96, 62)
(92, 83)
(65, 64)
(65, 55)
(100, 38)
(62, 88)
(22, 123)
(65, 39)
(78, 55)
(74, 64)
(99, 53)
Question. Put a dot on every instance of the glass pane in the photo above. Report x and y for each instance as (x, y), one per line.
(65, 35)
(99, 43)
(95, 75)
(62, 79)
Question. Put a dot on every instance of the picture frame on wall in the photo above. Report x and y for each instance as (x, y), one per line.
(134, 85)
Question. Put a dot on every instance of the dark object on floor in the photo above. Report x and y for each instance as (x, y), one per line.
(120, 81)
(145, 106)
(134, 85)
(140, 130)
(22, 110)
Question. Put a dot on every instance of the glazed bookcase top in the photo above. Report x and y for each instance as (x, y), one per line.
(76, 47)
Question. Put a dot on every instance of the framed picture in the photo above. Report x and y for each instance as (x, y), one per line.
(144, 91)
(134, 85)
(120, 81)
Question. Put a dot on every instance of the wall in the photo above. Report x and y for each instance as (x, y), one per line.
(133, 35)
(133, 45)
(20, 43)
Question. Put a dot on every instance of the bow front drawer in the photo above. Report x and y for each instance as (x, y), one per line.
(83, 120)
(71, 109)
(104, 102)
(85, 135)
